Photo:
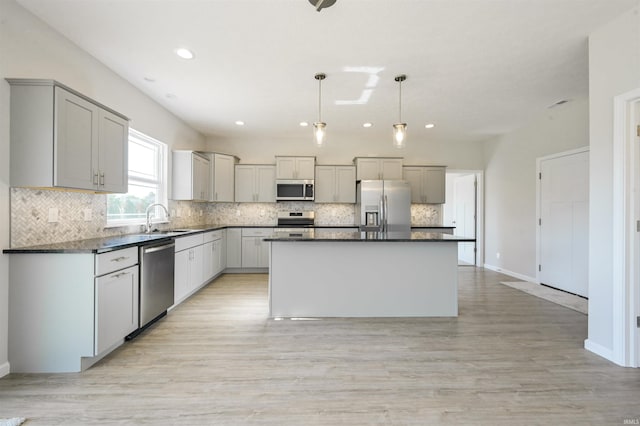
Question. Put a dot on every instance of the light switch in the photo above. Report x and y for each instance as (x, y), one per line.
(87, 214)
(53, 215)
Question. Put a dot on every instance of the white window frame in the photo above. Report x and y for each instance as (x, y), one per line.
(161, 181)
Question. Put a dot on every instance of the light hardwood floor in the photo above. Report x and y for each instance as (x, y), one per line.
(509, 358)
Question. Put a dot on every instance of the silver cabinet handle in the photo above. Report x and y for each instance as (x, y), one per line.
(102, 178)
(119, 259)
(95, 178)
(120, 274)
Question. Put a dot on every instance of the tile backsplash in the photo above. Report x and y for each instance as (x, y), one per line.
(30, 209)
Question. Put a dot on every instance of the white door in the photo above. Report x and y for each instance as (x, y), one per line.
(460, 211)
(465, 214)
(564, 222)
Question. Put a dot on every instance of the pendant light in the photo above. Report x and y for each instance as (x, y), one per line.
(319, 126)
(400, 128)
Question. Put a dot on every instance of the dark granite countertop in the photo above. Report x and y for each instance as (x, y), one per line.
(406, 236)
(101, 245)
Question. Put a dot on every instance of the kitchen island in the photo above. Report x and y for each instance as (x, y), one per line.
(364, 274)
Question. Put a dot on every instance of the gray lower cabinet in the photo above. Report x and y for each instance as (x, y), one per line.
(189, 266)
(255, 251)
(234, 247)
(68, 310)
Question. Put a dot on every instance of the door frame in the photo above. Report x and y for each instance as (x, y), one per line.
(539, 161)
(626, 239)
(479, 211)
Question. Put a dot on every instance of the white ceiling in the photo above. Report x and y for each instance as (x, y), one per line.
(475, 68)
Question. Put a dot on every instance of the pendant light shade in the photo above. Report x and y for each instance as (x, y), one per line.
(319, 126)
(400, 128)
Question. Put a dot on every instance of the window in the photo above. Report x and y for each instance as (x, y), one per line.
(147, 181)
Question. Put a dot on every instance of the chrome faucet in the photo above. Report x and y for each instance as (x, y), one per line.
(149, 208)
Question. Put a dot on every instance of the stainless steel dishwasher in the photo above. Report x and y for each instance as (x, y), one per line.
(156, 280)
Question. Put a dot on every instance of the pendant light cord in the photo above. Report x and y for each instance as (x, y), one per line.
(320, 100)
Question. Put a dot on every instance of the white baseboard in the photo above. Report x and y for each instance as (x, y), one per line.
(511, 273)
(4, 369)
(599, 350)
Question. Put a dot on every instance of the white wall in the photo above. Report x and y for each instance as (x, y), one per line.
(4, 220)
(614, 69)
(31, 49)
(510, 184)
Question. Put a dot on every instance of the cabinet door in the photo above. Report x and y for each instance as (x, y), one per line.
(413, 175)
(391, 168)
(368, 168)
(266, 184)
(245, 184)
(305, 167)
(113, 153)
(434, 185)
(250, 252)
(196, 266)
(262, 249)
(200, 178)
(217, 256)
(325, 185)
(234, 248)
(116, 307)
(181, 276)
(75, 142)
(286, 167)
(208, 261)
(345, 184)
(223, 180)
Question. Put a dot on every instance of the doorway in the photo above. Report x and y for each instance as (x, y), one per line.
(463, 211)
(563, 221)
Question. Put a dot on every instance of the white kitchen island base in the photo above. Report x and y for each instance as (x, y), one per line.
(363, 279)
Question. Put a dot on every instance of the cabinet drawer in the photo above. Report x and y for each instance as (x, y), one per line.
(213, 235)
(257, 232)
(183, 243)
(116, 260)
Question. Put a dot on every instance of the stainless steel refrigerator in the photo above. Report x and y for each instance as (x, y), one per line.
(383, 205)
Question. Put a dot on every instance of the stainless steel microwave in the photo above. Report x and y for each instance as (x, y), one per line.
(294, 190)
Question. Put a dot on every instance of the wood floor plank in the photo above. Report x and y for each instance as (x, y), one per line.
(509, 358)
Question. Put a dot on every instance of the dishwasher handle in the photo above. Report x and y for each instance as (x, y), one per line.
(153, 249)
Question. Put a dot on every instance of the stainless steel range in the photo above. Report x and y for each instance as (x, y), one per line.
(296, 224)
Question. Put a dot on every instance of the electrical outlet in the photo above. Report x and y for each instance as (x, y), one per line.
(498, 255)
(261, 213)
(53, 215)
(87, 214)
(200, 213)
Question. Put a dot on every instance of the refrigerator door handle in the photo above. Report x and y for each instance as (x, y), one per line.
(382, 212)
(386, 212)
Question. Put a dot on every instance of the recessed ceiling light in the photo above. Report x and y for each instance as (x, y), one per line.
(367, 125)
(429, 126)
(185, 53)
(303, 124)
(150, 79)
(240, 123)
(170, 96)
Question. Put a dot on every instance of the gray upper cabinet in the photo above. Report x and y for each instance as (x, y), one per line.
(335, 184)
(62, 139)
(222, 174)
(295, 167)
(427, 183)
(191, 176)
(372, 168)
